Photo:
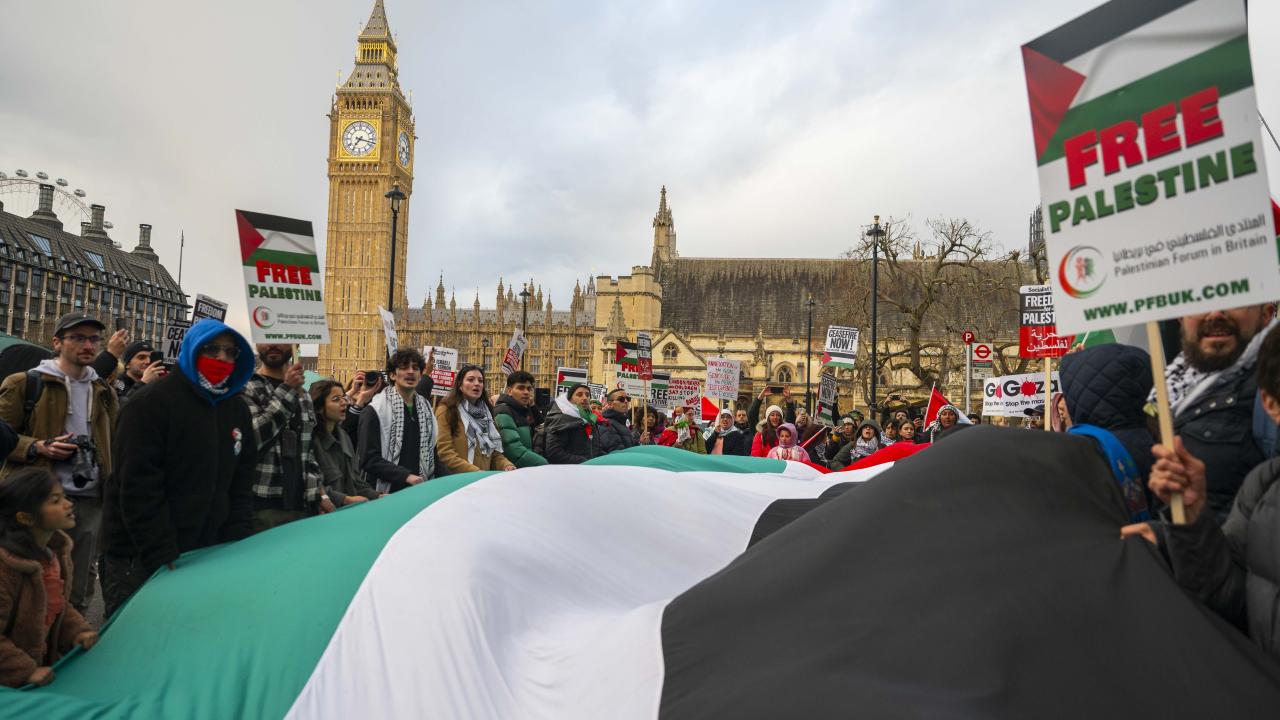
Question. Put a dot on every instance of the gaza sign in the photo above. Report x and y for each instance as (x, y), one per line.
(1152, 181)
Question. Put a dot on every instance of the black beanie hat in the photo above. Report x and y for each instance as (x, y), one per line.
(135, 348)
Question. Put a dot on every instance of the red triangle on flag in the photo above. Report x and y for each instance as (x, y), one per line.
(710, 410)
(1051, 86)
(826, 358)
(250, 238)
(936, 403)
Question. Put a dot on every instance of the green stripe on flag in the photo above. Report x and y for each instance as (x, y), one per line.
(1226, 66)
(265, 607)
(284, 257)
(672, 459)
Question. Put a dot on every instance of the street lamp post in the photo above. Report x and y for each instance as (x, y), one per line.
(808, 363)
(396, 196)
(524, 310)
(877, 234)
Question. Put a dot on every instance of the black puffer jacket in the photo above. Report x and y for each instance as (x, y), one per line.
(1107, 386)
(1235, 569)
(567, 440)
(1217, 427)
(613, 434)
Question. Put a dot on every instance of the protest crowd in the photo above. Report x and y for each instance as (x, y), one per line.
(120, 463)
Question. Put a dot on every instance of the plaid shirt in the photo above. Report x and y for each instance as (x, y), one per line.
(272, 409)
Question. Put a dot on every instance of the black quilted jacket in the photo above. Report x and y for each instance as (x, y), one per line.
(1107, 386)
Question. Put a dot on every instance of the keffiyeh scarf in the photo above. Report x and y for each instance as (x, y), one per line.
(482, 432)
(390, 408)
(1186, 383)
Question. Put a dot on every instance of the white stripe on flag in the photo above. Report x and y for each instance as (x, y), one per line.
(1181, 34)
(538, 594)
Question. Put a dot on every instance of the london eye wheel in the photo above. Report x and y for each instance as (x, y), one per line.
(20, 193)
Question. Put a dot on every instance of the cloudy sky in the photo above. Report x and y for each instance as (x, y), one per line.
(546, 128)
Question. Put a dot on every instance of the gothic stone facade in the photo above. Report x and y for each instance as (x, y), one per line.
(46, 272)
(749, 309)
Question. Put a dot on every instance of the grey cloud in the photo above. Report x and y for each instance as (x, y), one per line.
(545, 129)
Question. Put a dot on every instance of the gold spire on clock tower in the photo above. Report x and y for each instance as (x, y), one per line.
(371, 150)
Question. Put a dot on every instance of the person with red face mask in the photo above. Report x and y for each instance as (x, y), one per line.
(187, 454)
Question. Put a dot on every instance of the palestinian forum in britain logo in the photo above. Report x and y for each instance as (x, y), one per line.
(1080, 272)
(263, 317)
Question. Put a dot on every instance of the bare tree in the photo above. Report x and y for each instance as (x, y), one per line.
(931, 290)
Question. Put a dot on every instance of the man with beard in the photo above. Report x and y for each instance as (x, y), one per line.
(1212, 392)
(287, 485)
(64, 412)
(138, 369)
(612, 433)
(740, 421)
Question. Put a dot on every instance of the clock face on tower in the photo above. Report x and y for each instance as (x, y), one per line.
(359, 138)
(402, 149)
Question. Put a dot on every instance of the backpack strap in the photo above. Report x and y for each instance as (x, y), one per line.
(35, 387)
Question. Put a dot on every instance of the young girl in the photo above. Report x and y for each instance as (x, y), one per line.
(35, 579)
(906, 432)
(786, 448)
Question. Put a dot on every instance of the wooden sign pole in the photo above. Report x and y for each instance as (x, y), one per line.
(644, 413)
(1156, 347)
(1048, 393)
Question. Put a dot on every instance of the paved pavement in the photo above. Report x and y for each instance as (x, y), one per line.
(94, 613)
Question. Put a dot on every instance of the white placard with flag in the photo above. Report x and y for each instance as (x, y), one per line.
(723, 375)
(842, 347)
(566, 377)
(282, 279)
(1151, 166)
(826, 399)
(635, 387)
(826, 414)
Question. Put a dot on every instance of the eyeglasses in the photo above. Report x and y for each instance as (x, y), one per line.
(79, 339)
(213, 350)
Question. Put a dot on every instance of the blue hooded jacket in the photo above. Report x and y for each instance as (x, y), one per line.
(201, 333)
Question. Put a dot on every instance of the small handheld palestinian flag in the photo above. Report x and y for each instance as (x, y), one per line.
(842, 347)
(628, 355)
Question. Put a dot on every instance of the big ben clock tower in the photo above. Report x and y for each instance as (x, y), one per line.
(371, 145)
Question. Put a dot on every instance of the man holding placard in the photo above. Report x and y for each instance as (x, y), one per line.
(1154, 189)
(1212, 386)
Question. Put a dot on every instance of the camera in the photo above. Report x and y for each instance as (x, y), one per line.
(83, 461)
(372, 378)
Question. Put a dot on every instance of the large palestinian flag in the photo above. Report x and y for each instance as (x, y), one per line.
(982, 577)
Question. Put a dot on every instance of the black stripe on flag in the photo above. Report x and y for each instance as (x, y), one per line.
(781, 513)
(267, 223)
(982, 578)
(1100, 26)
